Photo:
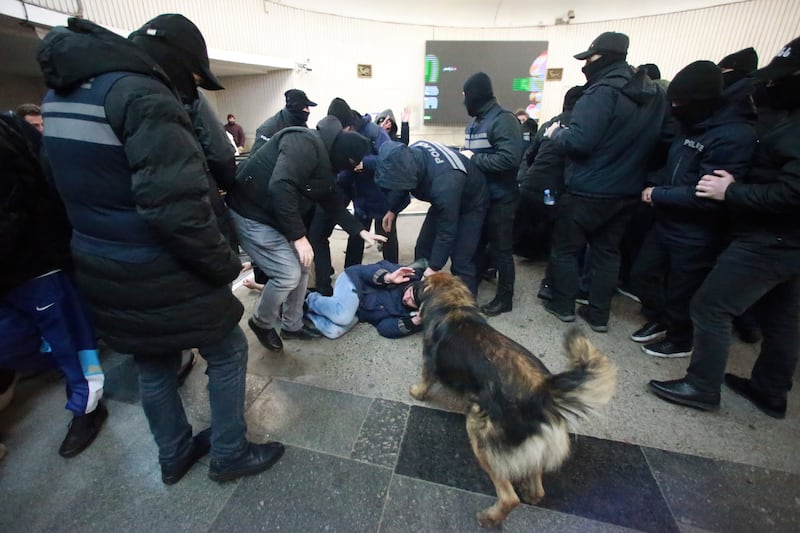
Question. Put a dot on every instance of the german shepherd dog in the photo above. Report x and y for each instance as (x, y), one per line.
(519, 413)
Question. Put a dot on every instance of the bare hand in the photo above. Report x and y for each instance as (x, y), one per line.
(713, 186)
(406, 114)
(359, 167)
(468, 153)
(551, 128)
(401, 275)
(304, 251)
(388, 221)
(416, 319)
(647, 195)
(371, 238)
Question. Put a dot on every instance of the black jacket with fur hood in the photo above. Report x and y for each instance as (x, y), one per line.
(179, 296)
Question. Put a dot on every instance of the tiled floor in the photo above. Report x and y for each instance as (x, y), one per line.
(363, 456)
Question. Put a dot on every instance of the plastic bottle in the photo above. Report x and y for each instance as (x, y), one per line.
(549, 198)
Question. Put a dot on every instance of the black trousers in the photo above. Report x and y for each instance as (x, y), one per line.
(665, 276)
(354, 254)
(498, 247)
(767, 277)
(600, 222)
(465, 244)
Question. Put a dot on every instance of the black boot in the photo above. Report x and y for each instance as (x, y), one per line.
(500, 304)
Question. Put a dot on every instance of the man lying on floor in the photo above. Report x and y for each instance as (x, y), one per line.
(382, 294)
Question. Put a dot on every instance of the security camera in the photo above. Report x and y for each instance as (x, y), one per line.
(570, 14)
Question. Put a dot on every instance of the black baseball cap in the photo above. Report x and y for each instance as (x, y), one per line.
(784, 64)
(609, 42)
(180, 33)
(298, 98)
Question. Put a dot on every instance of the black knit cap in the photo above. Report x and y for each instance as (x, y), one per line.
(745, 61)
(341, 110)
(572, 96)
(609, 42)
(784, 64)
(652, 70)
(348, 149)
(180, 34)
(416, 291)
(296, 100)
(701, 80)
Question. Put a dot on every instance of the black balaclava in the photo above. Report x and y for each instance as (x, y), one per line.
(784, 93)
(731, 77)
(296, 103)
(341, 110)
(174, 62)
(698, 90)
(348, 149)
(590, 70)
(477, 91)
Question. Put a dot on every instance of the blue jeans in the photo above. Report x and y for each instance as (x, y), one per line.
(335, 315)
(281, 301)
(767, 277)
(158, 386)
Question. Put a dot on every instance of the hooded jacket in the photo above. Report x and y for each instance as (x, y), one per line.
(404, 136)
(434, 173)
(148, 252)
(726, 140)
(495, 137)
(281, 182)
(615, 126)
(547, 168)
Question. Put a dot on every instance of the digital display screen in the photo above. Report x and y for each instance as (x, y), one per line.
(517, 70)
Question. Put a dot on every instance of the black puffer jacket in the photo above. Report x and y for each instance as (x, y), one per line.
(177, 294)
(280, 183)
(765, 204)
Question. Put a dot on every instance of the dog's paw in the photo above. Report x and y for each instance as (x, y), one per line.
(418, 392)
(489, 520)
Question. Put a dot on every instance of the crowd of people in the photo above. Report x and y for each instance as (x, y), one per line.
(686, 191)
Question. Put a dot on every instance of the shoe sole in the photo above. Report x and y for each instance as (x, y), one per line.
(648, 338)
(562, 318)
(593, 327)
(630, 295)
(676, 355)
(221, 477)
(683, 401)
(582, 301)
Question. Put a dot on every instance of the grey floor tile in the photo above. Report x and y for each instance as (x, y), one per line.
(310, 417)
(381, 434)
(602, 480)
(308, 491)
(419, 506)
(725, 496)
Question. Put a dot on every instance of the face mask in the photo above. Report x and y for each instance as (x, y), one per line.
(591, 69)
(694, 112)
(785, 93)
(729, 78)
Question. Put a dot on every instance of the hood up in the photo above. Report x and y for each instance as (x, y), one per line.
(70, 55)
(397, 167)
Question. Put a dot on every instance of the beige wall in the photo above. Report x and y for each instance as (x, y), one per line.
(335, 45)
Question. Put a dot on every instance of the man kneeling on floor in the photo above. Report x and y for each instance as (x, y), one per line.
(382, 294)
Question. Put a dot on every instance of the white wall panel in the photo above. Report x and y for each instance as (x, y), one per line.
(335, 45)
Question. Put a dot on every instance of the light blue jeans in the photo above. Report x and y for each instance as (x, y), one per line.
(281, 301)
(334, 315)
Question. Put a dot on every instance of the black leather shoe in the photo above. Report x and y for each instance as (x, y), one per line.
(545, 291)
(256, 458)
(268, 337)
(497, 306)
(201, 445)
(773, 406)
(305, 333)
(82, 431)
(682, 392)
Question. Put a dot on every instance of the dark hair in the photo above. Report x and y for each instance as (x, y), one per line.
(231, 116)
(28, 109)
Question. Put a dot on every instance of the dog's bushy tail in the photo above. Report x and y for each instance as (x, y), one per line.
(588, 385)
